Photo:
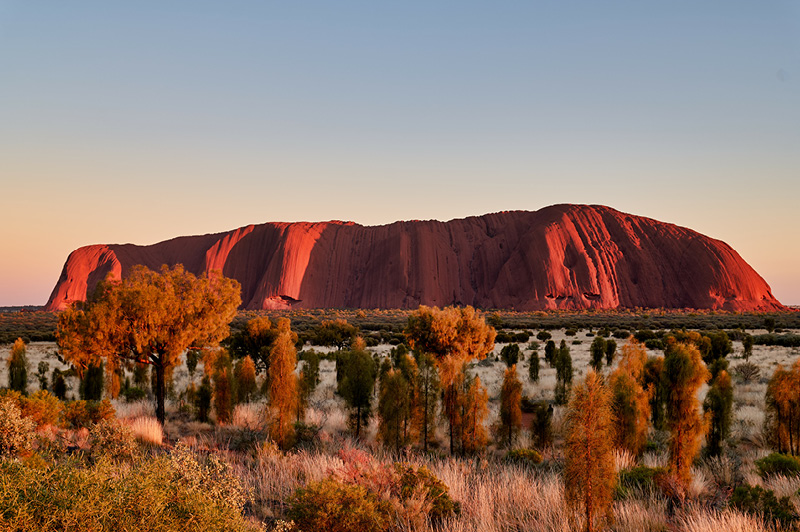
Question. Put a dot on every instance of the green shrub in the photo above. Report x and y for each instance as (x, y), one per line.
(640, 478)
(778, 464)
(152, 494)
(524, 456)
(437, 494)
(133, 394)
(756, 500)
(334, 506)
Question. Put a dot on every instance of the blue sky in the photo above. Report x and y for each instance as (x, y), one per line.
(140, 121)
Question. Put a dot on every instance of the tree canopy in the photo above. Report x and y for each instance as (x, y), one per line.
(148, 318)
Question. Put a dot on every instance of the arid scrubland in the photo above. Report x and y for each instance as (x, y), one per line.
(234, 476)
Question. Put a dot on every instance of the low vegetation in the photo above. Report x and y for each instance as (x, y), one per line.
(425, 420)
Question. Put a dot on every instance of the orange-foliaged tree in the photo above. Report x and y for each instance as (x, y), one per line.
(631, 402)
(589, 474)
(283, 385)
(453, 336)
(683, 374)
(510, 421)
(149, 318)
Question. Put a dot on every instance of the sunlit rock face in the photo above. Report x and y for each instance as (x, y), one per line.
(559, 257)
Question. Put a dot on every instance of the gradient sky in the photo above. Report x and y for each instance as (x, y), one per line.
(141, 121)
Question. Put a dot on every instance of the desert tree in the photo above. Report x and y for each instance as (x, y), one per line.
(91, 385)
(474, 408)
(782, 422)
(654, 384)
(550, 351)
(453, 336)
(611, 351)
(510, 421)
(428, 391)
(307, 383)
(683, 374)
(510, 354)
(393, 409)
(337, 333)
(719, 405)
(245, 373)
(562, 360)
(533, 366)
(589, 474)
(598, 351)
(283, 392)
(256, 341)
(409, 369)
(747, 346)
(41, 374)
(542, 425)
(357, 384)
(630, 400)
(224, 385)
(18, 367)
(149, 318)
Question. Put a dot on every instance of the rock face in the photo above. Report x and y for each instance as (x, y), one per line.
(559, 257)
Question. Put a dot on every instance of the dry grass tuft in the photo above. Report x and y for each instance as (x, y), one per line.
(147, 429)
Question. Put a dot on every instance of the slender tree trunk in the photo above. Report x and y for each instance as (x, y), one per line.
(160, 390)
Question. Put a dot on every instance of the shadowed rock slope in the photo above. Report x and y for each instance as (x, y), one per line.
(559, 257)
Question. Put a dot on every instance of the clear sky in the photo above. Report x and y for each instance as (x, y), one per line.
(141, 121)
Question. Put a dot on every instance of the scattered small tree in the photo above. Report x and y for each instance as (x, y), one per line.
(719, 405)
(611, 351)
(336, 333)
(474, 407)
(598, 351)
(59, 384)
(41, 374)
(224, 387)
(542, 425)
(357, 384)
(589, 474)
(18, 368)
(91, 387)
(283, 393)
(510, 421)
(393, 409)
(245, 373)
(683, 374)
(782, 423)
(429, 390)
(510, 354)
(630, 401)
(550, 352)
(452, 336)
(204, 395)
(562, 360)
(533, 366)
(747, 345)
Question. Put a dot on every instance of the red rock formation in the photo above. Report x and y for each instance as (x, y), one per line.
(564, 256)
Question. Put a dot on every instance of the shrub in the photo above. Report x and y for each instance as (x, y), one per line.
(151, 494)
(334, 506)
(91, 387)
(134, 394)
(16, 431)
(82, 414)
(42, 407)
(111, 439)
(758, 501)
(524, 456)
(544, 336)
(640, 478)
(510, 354)
(747, 371)
(778, 464)
(654, 344)
(436, 493)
